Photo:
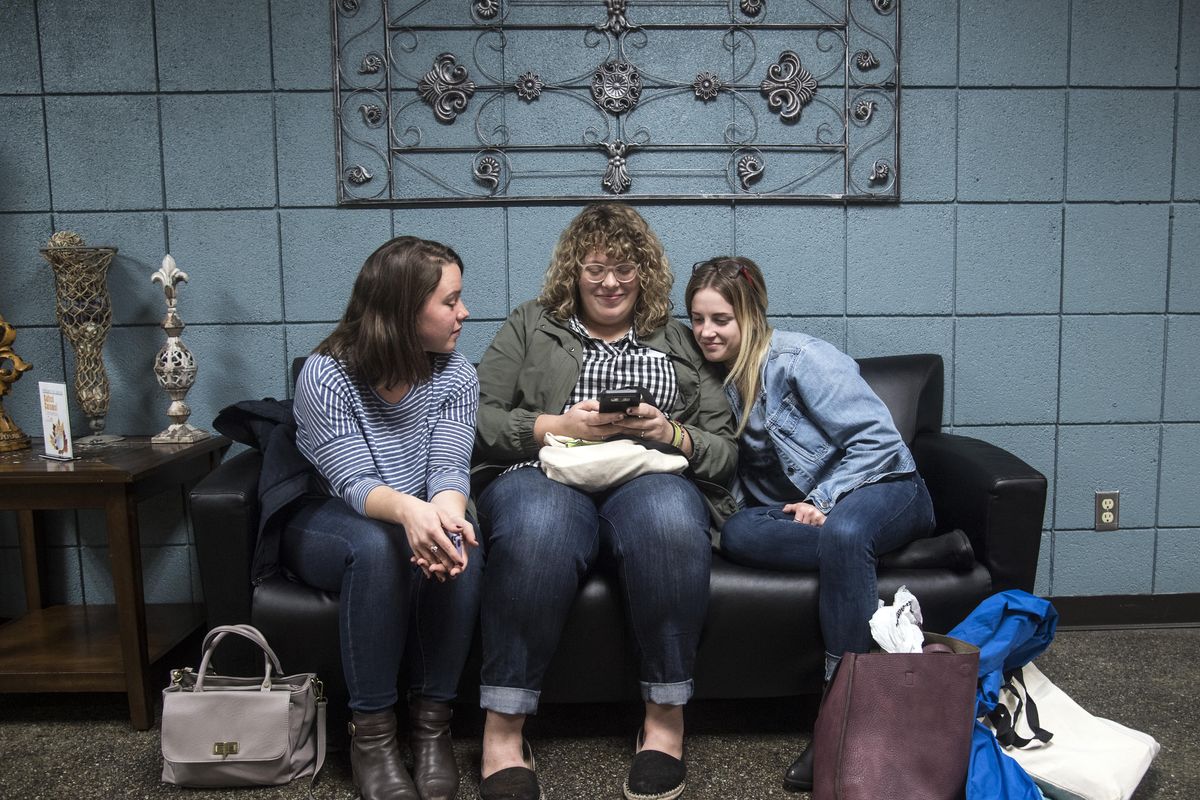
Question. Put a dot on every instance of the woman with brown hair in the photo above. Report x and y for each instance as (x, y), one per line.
(602, 321)
(385, 410)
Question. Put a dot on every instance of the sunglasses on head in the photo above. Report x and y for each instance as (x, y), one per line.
(726, 270)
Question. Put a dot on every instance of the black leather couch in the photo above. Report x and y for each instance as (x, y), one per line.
(762, 637)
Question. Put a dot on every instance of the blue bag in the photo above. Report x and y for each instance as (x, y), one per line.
(1010, 629)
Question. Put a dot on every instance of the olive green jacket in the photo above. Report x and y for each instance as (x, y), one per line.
(531, 368)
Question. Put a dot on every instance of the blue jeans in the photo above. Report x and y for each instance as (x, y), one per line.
(387, 610)
(543, 539)
(865, 523)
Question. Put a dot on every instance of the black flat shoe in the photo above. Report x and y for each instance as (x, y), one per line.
(513, 783)
(654, 775)
(799, 776)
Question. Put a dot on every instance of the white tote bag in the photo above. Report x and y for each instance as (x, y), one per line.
(1070, 754)
(597, 466)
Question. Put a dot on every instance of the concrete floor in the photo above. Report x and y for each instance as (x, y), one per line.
(81, 746)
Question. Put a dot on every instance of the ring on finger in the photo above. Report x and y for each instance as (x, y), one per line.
(433, 548)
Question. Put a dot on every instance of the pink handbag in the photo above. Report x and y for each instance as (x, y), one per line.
(897, 725)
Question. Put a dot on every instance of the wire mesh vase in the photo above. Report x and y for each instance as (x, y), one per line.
(84, 310)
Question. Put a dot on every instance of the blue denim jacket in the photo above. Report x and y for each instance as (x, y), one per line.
(831, 432)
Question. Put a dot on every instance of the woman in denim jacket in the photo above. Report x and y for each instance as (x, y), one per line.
(827, 482)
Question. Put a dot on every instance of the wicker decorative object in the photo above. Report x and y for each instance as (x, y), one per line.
(175, 365)
(11, 368)
(84, 310)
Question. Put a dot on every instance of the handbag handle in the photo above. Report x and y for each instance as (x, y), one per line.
(218, 633)
(1006, 722)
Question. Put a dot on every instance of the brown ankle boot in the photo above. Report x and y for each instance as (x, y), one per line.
(379, 773)
(434, 768)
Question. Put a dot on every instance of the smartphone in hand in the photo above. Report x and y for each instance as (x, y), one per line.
(612, 400)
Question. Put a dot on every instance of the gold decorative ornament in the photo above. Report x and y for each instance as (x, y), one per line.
(84, 311)
(175, 366)
(12, 366)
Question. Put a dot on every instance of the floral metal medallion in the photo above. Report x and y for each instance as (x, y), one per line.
(529, 86)
(446, 88)
(752, 8)
(863, 110)
(788, 86)
(616, 86)
(880, 172)
(706, 86)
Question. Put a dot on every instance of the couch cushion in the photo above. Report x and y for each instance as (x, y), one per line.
(911, 387)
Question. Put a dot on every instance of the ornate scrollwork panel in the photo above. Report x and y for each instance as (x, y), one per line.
(495, 100)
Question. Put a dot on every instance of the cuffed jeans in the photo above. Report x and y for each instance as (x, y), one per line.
(865, 523)
(387, 609)
(543, 538)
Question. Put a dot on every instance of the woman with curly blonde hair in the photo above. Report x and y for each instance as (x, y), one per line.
(602, 321)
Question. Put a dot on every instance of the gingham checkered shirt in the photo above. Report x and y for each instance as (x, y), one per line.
(614, 365)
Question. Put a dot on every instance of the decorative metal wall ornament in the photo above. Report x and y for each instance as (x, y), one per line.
(616, 86)
(529, 86)
(788, 86)
(446, 88)
(358, 175)
(616, 22)
(496, 101)
(866, 60)
(83, 307)
(372, 114)
(752, 8)
(487, 171)
(616, 178)
(880, 172)
(371, 64)
(175, 366)
(749, 169)
(706, 86)
(487, 9)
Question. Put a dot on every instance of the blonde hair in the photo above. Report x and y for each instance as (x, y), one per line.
(619, 232)
(740, 282)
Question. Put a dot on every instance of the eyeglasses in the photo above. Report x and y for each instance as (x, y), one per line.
(596, 273)
(725, 270)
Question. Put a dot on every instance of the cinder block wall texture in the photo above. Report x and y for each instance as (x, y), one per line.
(1047, 245)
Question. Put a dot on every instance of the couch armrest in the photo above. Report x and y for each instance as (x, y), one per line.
(995, 497)
(225, 524)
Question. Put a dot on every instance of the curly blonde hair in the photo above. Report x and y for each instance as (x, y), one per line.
(620, 232)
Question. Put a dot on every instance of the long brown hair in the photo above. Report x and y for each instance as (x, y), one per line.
(377, 338)
(618, 231)
(740, 282)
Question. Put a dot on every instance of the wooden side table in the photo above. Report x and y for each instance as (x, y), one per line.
(97, 648)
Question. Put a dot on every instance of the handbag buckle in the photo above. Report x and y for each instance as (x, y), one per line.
(319, 688)
(225, 749)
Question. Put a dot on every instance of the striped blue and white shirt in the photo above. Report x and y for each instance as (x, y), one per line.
(420, 445)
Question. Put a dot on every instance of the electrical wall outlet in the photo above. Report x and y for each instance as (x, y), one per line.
(1108, 511)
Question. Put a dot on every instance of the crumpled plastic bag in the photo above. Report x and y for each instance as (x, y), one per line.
(897, 628)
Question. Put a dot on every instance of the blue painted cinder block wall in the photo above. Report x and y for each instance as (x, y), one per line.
(1047, 245)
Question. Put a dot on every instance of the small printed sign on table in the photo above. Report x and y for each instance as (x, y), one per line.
(56, 421)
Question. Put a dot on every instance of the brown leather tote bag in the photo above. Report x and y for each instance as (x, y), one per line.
(897, 725)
